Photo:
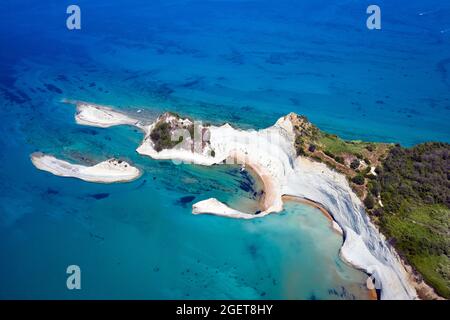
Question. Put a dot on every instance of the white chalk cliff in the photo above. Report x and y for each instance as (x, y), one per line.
(271, 152)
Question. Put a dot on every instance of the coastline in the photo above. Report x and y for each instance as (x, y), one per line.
(372, 292)
(270, 153)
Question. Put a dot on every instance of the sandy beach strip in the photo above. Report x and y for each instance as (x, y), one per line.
(372, 293)
(310, 203)
(334, 225)
(215, 207)
(270, 194)
(108, 171)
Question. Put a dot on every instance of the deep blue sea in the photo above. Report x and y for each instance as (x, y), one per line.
(243, 62)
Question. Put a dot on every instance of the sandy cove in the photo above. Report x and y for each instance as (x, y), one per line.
(270, 153)
(268, 198)
(268, 183)
(215, 207)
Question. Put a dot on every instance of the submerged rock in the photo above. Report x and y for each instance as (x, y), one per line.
(184, 201)
(98, 196)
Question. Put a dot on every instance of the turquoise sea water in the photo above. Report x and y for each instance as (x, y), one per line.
(246, 62)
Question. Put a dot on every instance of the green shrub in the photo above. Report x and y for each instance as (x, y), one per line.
(358, 179)
(370, 147)
(355, 164)
(374, 187)
(299, 145)
(378, 212)
(328, 153)
(339, 159)
(162, 138)
(369, 202)
(371, 176)
(366, 170)
(300, 151)
(378, 170)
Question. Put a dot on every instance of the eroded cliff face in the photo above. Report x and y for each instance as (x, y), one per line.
(275, 151)
(364, 246)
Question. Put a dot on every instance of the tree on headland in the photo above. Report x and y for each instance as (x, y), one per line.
(369, 202)
(358, 179)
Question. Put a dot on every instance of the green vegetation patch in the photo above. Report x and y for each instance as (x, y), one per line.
(436, 269)
(309, 138)
(335, 145)
(162, 137)
(414, 185)
(358, 179)
(421, 235)
(415, 190)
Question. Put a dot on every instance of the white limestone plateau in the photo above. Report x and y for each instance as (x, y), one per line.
(108, 171)
(271, 154)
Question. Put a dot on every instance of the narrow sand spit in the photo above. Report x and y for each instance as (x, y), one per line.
(108, 171)
(89, 114)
